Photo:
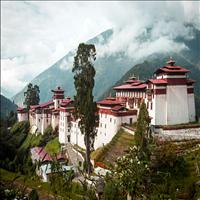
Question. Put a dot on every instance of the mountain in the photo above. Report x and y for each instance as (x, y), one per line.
(109, 67)
(145, 71)
(54, 76)
(6, 106)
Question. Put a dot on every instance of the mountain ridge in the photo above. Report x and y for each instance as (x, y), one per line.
(109, 68)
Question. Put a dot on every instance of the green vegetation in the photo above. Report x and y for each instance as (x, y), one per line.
(31, 141)
(10, 142)
(53, 146)
(7, 106)
(61, 186)
(31, 95)
(115, 148)
(153, 170)
(49, 134)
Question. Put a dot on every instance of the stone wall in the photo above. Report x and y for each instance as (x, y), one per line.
(178, 134)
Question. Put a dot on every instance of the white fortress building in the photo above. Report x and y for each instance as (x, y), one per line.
(169, 97)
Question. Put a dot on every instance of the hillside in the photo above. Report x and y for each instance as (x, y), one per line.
(108, 70)
(115, 148)
(110, 67)
(145, 71)
(6, 106)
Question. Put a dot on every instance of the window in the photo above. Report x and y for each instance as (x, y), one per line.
(105, 125)
(114, 121)
(39, 120)
(105, 134)
(110, 119)
(151, 105)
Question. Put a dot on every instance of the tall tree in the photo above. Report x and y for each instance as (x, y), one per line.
(32, 96)
(142, 133)
(85, 107)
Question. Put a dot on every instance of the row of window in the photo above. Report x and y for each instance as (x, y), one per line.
(131, 94)
(150, 105)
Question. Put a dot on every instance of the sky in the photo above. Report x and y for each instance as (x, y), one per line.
(35, 34)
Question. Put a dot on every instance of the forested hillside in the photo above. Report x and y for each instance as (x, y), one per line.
(6, 106)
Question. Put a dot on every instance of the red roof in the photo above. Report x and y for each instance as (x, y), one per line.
(134, 86)
(21, 109)
(157, 81)
(66, 102)
(109, 102)
(117, 108)
(42, 105)
(172, 69)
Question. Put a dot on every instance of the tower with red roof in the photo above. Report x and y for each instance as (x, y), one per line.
(170, 96)
(58, 95)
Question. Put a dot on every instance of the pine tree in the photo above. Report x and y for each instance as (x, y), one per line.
(85, 107)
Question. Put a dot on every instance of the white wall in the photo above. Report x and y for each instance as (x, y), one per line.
(22, 116)
(160, 109)
(177, 104)
(38, 122)
(76, 137)
(46, 121)
(108, 127)
(55, 121)
(191, 107)
(64, 128)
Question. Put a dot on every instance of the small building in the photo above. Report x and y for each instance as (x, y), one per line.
(45, 171)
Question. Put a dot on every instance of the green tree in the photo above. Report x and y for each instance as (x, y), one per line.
(31, 95)
(85, 107)
(142, 134)
(133, 170)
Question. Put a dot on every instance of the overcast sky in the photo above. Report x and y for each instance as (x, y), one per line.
(34, 35)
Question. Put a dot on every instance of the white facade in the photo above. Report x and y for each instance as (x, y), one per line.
(108, 127)
(22, 116)
(55, 121)
(46, 121)
(64, 127)
(177, 105)
(76, 137)
(191, 107)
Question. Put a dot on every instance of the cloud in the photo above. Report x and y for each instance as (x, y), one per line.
(36, 34)
(145, 28)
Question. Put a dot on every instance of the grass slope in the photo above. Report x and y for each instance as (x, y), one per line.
(118, 146)
(53, 146)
